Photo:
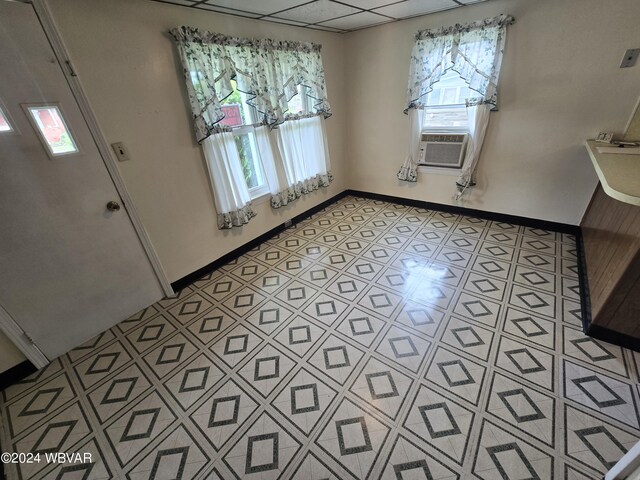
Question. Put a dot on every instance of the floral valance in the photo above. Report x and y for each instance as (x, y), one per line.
(473, 50)
(268, 71)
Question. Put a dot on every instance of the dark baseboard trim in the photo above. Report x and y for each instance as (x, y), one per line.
(17, 373)
(611, 336)
(500, 217)
(583, 279)
(232, 255)
(585, 299)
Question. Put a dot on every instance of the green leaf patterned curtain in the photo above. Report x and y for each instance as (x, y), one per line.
(473, 50)
(268, 71)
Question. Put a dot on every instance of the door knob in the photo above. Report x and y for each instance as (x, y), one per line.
(113, 206)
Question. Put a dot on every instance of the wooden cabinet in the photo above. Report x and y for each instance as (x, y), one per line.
(611, 236)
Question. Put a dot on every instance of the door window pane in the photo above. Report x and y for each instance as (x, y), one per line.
(53, 130)
(5, 126)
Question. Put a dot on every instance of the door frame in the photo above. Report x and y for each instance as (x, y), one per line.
(7, 324)
(21, 340)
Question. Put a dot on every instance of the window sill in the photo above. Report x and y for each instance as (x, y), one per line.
(451, 172)
(265, 197)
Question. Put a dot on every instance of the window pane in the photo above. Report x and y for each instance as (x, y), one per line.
(299, 103)
(445, 117)
(448, 102)
(249, 160)
(451, 89)
(4, 123)
(450, 95)
(295, 105)
(235, 108)
(54, 131)
(232, 115)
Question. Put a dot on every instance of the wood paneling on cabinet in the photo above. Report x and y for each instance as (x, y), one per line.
(611, 233)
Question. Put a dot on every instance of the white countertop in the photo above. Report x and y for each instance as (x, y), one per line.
(619, 174)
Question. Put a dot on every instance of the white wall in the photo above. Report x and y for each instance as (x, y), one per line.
(10, 356)
(560, 84)
(130, 70)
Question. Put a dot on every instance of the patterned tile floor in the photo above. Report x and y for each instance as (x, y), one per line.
(372, 340)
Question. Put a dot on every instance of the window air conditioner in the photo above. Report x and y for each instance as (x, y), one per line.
(442, 149)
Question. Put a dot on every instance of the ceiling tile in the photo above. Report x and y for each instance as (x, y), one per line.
(325, 29)
(281, 20)
(318, 11)
(328, 15)
(215, 8)
(263, 7)
(358, 20)
(411, 8)
(369, 4)
(188, 3)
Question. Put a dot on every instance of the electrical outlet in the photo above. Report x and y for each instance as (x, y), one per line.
(121, 151)
(630, 58)
(287, 223)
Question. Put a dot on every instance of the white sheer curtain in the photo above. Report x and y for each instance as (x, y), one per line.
(230, 192)
(304, 158)
(276, 179)
(409, 170)
(478, 116)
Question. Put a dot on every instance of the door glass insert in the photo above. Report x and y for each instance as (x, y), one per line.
(5, 126)
(53, 129)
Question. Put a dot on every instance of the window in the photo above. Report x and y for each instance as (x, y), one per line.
(446, 108)
(52, 130)
(5, 126)
(300, 103)
(241, 117)
(245, 143)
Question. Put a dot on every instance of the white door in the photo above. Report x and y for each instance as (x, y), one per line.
(69, 267)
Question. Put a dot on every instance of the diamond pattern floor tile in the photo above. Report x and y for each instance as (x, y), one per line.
(503, 455)
(267, 448)
(353, 438)
(408, 460)
(370, 340)
(440, 422)
(382, 387)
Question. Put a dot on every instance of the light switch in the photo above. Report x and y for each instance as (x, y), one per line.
(121, 152)
(630, 58)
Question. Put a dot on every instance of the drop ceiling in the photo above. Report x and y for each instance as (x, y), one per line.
(331, 15)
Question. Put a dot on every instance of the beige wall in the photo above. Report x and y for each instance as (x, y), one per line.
(129, 68)
(560, 84)
(10, 356)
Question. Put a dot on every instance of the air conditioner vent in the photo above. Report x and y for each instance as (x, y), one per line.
(444, 137)
(442, 149)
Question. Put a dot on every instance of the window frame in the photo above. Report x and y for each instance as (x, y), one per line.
(430, 106)
(13, 128)
(305, 100)
(27, 108)
(250, 113)
(262, 191)
(263, 188)
(459, 129)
